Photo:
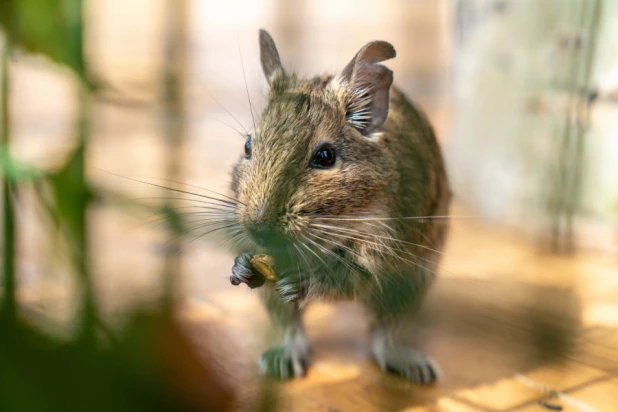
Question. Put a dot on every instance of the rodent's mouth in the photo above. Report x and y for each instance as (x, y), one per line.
(270, 242)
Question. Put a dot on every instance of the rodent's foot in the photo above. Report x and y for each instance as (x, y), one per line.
(243, 272)
(292, 288)
(284, 362)
(409, 364)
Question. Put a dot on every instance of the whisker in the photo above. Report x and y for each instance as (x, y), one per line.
(231, 115)
(232, 127)
(365, 235)
(211, 231)
(356, 218)
(214, 206)
(231, 201)
(228, 238)
(349, 266)
(197, 214)
(383, 225)
(302, 255)
(201, 188)
(392, 253)
(315, 254)
(210, 223)
(229, 210)
(237, 237)
(335, 243)
(364, 240)
(220, 214)
(326, 238)
(242, 65)
(329, 252)
(377, 236)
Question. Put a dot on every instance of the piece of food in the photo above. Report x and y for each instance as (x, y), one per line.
(265, 264)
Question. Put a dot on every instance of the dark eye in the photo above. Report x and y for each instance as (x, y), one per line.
(324, 157)
(248, 147)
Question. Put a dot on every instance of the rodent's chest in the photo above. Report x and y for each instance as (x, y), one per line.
(346, 282)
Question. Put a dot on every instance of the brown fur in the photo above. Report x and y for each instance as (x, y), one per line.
(390, 170)
(397, 174)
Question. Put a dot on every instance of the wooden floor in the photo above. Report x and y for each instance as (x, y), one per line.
(499, 310)
(507, 324)
(502, 320)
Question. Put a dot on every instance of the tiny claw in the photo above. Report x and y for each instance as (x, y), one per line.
(243, 272)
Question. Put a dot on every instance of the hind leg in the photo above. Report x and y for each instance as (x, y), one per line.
(391, 307)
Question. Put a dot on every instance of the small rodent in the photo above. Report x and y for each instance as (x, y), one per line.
(343, 184)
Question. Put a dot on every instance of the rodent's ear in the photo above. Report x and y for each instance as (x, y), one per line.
(369, 83)
(271, 63)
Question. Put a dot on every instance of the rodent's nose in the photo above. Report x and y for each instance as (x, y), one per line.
(261, 227)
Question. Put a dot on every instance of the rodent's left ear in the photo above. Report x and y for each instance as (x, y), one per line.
(369, 84)
(271, 63)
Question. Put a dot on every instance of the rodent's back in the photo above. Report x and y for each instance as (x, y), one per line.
(422, 189)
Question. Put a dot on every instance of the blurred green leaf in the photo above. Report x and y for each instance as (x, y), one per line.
(15, 170)
(50, 27)
(71, 193)
(147, 368)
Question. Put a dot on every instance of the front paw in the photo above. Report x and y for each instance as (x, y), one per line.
(284, 362)
(243, 272)
(409, 364)
(292, 288)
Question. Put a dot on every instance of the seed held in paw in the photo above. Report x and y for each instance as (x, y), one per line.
(265, 264)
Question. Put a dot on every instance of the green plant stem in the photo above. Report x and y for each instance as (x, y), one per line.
(9, 308)
(174, 82)
(89, 314)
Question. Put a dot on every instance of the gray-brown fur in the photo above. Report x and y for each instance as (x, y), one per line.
(350, 231)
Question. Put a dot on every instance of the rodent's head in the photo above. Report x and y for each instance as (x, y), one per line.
(315, 152)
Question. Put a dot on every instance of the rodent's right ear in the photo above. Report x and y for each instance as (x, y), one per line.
(369, 84)
(271, 63)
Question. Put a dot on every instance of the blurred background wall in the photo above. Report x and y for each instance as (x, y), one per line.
(534, 134)
(127, 45)
(495, 76)
(523, 95)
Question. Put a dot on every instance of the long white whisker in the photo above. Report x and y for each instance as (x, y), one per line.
(331, 253)
(376, 236)
(302, 256)
(222, 204)
(390, 218)
(211, 231)
(231, 115)
(361, 239)
(391, 252)
(210, 223)
(242, 65)
(233, 235)
(231, 201)
(159, 219)
(314, 253)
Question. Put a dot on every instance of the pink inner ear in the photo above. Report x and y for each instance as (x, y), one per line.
(369, 83)
(370, 54)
